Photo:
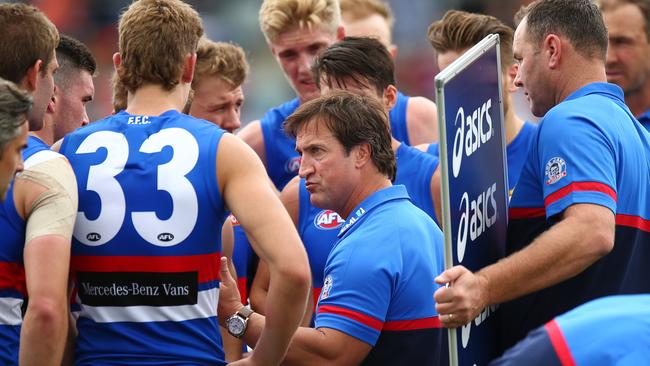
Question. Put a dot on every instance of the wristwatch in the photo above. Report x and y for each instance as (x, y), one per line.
(237, 323)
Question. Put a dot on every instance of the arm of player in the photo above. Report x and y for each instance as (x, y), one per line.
(422, 121)
(260, 287)
(47, 197)
(584, 235)
(232, 346)
(436, 196)
(244, 186)
(323, 346)
(252, 135)
(44, 330)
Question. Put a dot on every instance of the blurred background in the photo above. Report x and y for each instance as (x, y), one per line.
(94, 22)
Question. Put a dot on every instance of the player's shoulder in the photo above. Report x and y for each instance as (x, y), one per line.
(421, 108)
(252, 131)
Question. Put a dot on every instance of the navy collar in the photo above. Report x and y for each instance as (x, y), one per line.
(644, 117)
(376, 199)
(612, 90)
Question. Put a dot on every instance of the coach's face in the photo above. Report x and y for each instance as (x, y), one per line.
(531, 73)
(329, 171)
(11, 160)
(295, 51)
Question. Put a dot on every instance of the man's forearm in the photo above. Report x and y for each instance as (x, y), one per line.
(43, 335)
(285, 308)
(566, 249)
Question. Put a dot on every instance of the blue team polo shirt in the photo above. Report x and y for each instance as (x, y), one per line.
(379, 284)
(587, 149)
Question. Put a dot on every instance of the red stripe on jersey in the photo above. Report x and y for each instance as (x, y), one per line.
(526, 213)
(633, 221)
(206, 264)
(243, 290)
(424, 323)
(559, 343)
(373, 323)
(12, 276)
(578, 187)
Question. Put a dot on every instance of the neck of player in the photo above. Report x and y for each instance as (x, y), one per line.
(153, 100)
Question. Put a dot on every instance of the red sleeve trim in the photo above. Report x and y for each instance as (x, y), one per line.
(578, 187)
(424, 323)
(559, 343)
(526, 212)
(369, 321)
(633, 221)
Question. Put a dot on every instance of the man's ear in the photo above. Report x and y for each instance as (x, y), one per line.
(553, 48)
(31, 76)
(390, 97)
(340, 33)
(188, 68)
(51, 105)
(363, 154)
(510, 78)
(117, 60)
(392, 49)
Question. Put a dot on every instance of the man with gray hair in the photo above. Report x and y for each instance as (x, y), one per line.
(14, 105)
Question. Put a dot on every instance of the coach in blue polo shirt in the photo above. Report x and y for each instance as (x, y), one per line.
(376, 306)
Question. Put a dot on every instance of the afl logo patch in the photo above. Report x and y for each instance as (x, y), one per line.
(93, 236)
(327, 220)
(165, 237)
(293, 165)
(327, 287)
(555, 170)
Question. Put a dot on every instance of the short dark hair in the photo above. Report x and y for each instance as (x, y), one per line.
(27, 36)
(73, 55)
(359, 58)
(460, 30)
(353, 119)
(580, 21)
(643, 5)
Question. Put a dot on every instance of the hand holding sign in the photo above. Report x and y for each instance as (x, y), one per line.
(463, 301)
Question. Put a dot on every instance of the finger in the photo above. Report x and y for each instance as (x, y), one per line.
(450, 275)
(447, 308)
(448, 321)
(443, 295)
(225, 270)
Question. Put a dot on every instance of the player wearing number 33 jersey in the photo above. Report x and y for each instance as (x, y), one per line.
(146, 248)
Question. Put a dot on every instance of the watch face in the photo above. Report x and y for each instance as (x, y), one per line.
(235, 325)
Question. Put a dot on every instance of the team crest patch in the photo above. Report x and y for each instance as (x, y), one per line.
(293, 165)
(555, 170)
(327, 287)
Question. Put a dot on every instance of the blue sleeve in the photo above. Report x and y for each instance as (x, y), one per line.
(577, 163)
(356, 293)
(534, 350)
